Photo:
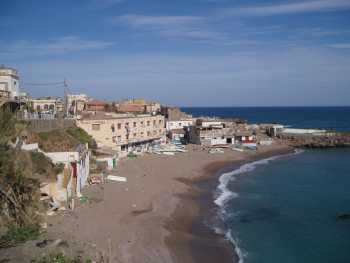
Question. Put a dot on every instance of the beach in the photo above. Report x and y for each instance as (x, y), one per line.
(156, 216)
(150, 217)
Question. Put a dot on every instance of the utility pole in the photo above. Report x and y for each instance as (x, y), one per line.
(65, 85)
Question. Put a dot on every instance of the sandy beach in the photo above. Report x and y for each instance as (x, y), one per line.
(156, 215)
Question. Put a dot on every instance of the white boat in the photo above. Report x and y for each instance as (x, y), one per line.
(216, 150)
(237, 149)
(168, 153)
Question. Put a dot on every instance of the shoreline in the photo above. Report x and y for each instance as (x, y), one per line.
(202, 241)
(156, 216)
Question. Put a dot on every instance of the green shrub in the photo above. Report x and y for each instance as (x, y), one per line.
(81, 135)
(59, 258)
(19, 234)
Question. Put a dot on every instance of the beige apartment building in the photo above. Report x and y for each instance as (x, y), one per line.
(125, 132)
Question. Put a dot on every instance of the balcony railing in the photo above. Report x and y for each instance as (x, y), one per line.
(5, 94)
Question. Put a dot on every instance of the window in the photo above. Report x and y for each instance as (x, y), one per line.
(160, 131)
(148, 133)
(119, 126)
(160, 121)
(52, 107)
(141, 123)
(127, 136)
(134, 135)
(154, 132)
(154, 122)
(113, 128)
(180, 124)
(119, 138)
(46, 107)
(38, 108)
(134, 124)
(113, 139)
(141, 134)
(148, 123)
(95, 127)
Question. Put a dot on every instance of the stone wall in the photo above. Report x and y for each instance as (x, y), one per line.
(50, 125)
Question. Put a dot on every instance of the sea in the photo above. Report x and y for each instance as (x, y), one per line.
(285, 208)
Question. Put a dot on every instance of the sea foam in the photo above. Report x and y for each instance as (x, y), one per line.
(223, 194)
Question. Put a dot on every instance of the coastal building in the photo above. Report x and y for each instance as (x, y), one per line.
(173, 113)
(75, 103)
(9, 82)
(96, 105)
(125, 132)
(177, 135)
(178, 124)
(210, 132)
(245, 137)
(47, 104)
(138, 106)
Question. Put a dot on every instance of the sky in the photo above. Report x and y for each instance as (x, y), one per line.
(182, 52)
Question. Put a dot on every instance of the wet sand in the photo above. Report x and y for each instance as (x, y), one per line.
(157, 215)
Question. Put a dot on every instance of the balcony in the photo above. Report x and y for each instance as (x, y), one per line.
(5, 94)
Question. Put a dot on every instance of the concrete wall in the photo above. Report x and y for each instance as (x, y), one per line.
(50, 125)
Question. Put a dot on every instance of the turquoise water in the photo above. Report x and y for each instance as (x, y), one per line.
(284, 210)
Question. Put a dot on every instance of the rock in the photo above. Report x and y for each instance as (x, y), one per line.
(343, 217)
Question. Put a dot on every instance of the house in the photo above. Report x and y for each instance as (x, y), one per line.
(245, 137)
(76, 103)
(46, 104)
(96, 105)
(131, 108)
(138, 106)
(125, 132)
(177, 134)
(178, 124)
(210, 132)
(173, 113)
(273, 129)
(9, 82)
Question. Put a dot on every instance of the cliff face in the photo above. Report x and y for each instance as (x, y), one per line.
(317, 141)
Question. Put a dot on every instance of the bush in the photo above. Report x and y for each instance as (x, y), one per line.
(81, 135)
(59, 258)
(19, 234)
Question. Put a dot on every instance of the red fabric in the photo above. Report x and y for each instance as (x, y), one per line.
(74, 166)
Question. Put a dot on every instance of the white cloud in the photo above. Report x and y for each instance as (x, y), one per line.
(58, 46)
(291, 7)
(158, 21)
(187, 27)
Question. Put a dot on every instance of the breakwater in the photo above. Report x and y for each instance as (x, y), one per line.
(326, 140)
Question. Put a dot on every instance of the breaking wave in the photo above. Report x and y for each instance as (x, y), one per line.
(223, 194)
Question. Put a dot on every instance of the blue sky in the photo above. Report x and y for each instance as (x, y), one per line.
(183, 52)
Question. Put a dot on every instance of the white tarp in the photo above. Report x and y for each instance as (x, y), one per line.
(63, 157)
(30, 147)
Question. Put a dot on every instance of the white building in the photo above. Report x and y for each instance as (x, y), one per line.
(47, 104)
(180, 124)
(9, 82)
(75, 103)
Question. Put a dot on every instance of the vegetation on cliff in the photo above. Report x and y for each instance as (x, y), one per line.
(19, 195)
(61, 140)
